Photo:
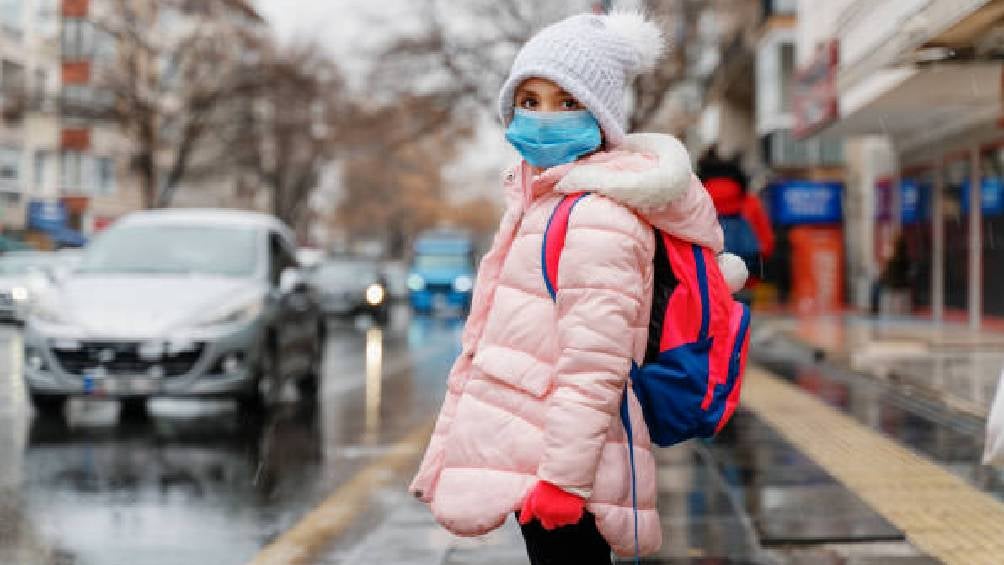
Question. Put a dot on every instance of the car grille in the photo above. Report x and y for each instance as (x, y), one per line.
(123, 358)
(439, 288)
(6, 300)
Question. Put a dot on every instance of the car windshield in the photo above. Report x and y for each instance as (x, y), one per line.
(18, 264)
(442, 262)
(347, 272)
(173, 249)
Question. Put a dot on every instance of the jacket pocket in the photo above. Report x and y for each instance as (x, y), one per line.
(515, 368)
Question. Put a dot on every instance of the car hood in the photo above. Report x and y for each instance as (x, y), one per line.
(143, 307)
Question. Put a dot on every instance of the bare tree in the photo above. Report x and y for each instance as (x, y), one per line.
(464, 50)
(180, 76)
(393, 192)
(299, 111)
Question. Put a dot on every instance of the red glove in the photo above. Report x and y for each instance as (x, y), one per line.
(552, 506)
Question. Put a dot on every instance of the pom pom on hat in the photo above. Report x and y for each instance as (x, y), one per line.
(594, 58)
(644, 36)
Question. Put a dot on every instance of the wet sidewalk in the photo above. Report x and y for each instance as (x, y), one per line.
(766, 491)
(948, 362)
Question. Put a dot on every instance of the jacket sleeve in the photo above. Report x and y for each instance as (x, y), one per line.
(599, 303)
(755, 214)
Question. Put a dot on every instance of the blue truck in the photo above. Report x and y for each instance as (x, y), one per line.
(441, 274)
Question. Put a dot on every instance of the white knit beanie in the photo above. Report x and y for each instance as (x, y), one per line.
(594, 58)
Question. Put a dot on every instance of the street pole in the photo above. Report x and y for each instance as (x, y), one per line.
(975, 239)
(938, 247)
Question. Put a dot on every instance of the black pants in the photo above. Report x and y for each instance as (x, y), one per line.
(579, 544)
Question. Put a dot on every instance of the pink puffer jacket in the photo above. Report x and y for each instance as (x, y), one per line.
(536, 390)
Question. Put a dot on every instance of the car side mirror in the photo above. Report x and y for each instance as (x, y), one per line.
(290, 280)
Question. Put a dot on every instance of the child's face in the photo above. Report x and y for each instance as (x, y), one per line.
(542, 95)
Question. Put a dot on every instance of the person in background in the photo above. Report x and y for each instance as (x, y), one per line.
(748, 230)
(530, 423)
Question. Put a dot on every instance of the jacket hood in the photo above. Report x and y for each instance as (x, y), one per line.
(651, 174)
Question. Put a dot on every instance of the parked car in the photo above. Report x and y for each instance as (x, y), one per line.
(442, 272)
(181, 303)
(351, 286)
(21, 272)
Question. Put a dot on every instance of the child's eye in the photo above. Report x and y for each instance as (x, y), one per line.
(528, 103)
(570, 104)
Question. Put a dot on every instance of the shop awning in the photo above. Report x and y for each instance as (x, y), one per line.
(920, 105)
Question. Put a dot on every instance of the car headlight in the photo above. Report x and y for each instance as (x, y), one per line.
(416, 282)
(241, 314)
(463, 283)
(375, 294)
(49, 311)
(19, 293)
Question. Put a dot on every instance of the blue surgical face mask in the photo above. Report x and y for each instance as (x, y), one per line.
(547, 139)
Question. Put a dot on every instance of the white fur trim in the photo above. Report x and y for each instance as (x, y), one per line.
(648, 190)
(643, 35)
(734, 270)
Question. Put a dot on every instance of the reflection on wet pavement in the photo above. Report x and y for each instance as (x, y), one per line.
(198, 481)
(951, 438)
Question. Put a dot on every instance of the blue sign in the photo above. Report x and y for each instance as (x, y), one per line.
(802, 202)
(46, 216)
(991, 192)
(915, 199)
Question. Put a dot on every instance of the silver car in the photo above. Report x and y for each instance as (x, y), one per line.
(183, 303)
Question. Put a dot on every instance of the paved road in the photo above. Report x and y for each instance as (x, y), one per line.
(198, 482)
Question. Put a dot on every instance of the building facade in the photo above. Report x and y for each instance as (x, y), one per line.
(915, 94)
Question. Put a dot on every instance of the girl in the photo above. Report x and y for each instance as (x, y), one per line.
(530, 421)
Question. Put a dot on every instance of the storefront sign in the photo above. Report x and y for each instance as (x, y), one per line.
(46, 216)
(806, 202)
(815, 99)
(991, 192)
(915, 198)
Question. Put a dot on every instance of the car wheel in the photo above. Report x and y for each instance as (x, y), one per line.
(266, 382)
(310, 384)
(49, 405)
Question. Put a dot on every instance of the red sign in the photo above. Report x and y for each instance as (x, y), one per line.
(817, 266)
(816, 102)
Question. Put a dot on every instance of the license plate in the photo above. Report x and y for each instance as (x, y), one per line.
(112, 385)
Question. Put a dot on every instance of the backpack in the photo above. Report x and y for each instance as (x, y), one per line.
(741, 240)
(689, 381)
(688, 384)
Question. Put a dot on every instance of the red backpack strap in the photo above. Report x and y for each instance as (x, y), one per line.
(554, 240)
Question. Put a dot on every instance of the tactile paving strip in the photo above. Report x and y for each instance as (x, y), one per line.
(940, 513)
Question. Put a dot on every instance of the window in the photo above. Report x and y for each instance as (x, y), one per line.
(77, 39)
(11, 77)
(73, 171)
(47, 17)
(42, 160)
(105, 175)
(11, 15)
(10, 164)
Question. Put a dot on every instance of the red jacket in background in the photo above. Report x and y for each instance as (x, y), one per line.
(730, 199)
